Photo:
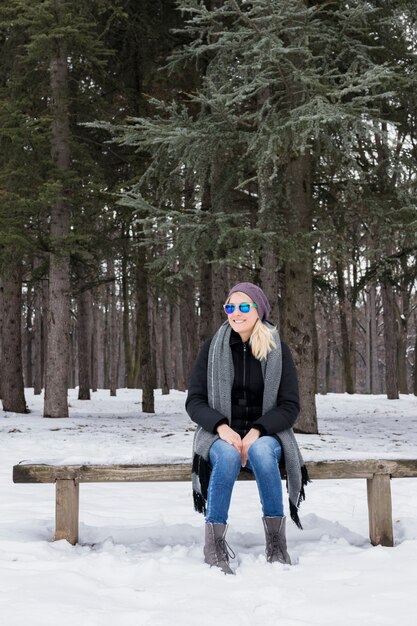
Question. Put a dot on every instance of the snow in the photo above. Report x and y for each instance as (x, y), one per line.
(139, 560)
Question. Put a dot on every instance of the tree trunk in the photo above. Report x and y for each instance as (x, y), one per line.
(373, 331)
(1, 336)
(57, 356)
(390, 340)
(205, 285)
(346, 344)
(402, 319)
(29, 338)
(206, 303)
(189, 329)
(84, 344)
(127, 343)
(267, 219)
(73, 355)
(144, 333)
(298, 327)
(13, 394)
(94, 344)
(269, 282)
(38, 340)
(113, 330)
(402, 358)
(330, 354)
(106, 343)
(166, 351)
(178, 346)
(415, 358)
(219, 291)
(352, 303)
(323, 337)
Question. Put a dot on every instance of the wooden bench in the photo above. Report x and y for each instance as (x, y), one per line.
(67, 479)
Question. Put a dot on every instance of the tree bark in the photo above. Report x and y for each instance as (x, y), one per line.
(13, 395)
(57, 357)
(298, 326)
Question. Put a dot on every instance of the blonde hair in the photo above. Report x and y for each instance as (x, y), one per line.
(261, 340)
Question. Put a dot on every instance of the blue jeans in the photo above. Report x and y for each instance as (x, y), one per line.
(263, 458)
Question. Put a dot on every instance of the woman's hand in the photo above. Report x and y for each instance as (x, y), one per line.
(230, 436)
(247, 441)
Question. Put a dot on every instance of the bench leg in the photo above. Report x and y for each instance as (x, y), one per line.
(66, 511)
(380, 510)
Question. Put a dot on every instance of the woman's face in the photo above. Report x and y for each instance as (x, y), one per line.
(242, 323)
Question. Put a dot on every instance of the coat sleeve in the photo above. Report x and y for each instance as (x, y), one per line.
(284, 414)
(196, 404)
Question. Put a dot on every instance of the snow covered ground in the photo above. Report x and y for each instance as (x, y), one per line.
(140, 561)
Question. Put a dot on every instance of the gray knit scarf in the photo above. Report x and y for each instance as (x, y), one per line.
(220, 374)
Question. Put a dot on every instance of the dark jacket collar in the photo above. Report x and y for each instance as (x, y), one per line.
(235, 338)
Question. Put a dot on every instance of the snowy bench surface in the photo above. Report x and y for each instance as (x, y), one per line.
(68, 477)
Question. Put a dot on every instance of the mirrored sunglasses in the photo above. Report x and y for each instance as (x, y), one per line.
(244, 307)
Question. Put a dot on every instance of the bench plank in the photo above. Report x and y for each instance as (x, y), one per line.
(318, 470)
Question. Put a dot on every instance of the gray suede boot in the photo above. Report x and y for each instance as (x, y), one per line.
(276, 542)
(216, 549)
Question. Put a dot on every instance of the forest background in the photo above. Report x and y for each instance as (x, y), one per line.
(153, 153)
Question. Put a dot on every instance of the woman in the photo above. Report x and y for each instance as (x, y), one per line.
(243, 395)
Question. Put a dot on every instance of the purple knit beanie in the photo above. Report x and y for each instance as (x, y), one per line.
(257, 295)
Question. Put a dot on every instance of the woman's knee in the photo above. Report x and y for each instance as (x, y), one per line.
(264, 449)
(226, 456)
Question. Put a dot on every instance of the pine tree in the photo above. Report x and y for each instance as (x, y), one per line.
(56, 83)
(280, 81)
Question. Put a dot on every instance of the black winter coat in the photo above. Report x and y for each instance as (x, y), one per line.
(247, 393)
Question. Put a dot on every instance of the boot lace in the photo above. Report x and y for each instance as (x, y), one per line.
(223, 550)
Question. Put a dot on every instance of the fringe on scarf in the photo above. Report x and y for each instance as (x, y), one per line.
(301, 497)
(202, 469)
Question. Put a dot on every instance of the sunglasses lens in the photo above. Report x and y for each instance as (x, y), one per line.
(245, 308)
(229, 308)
